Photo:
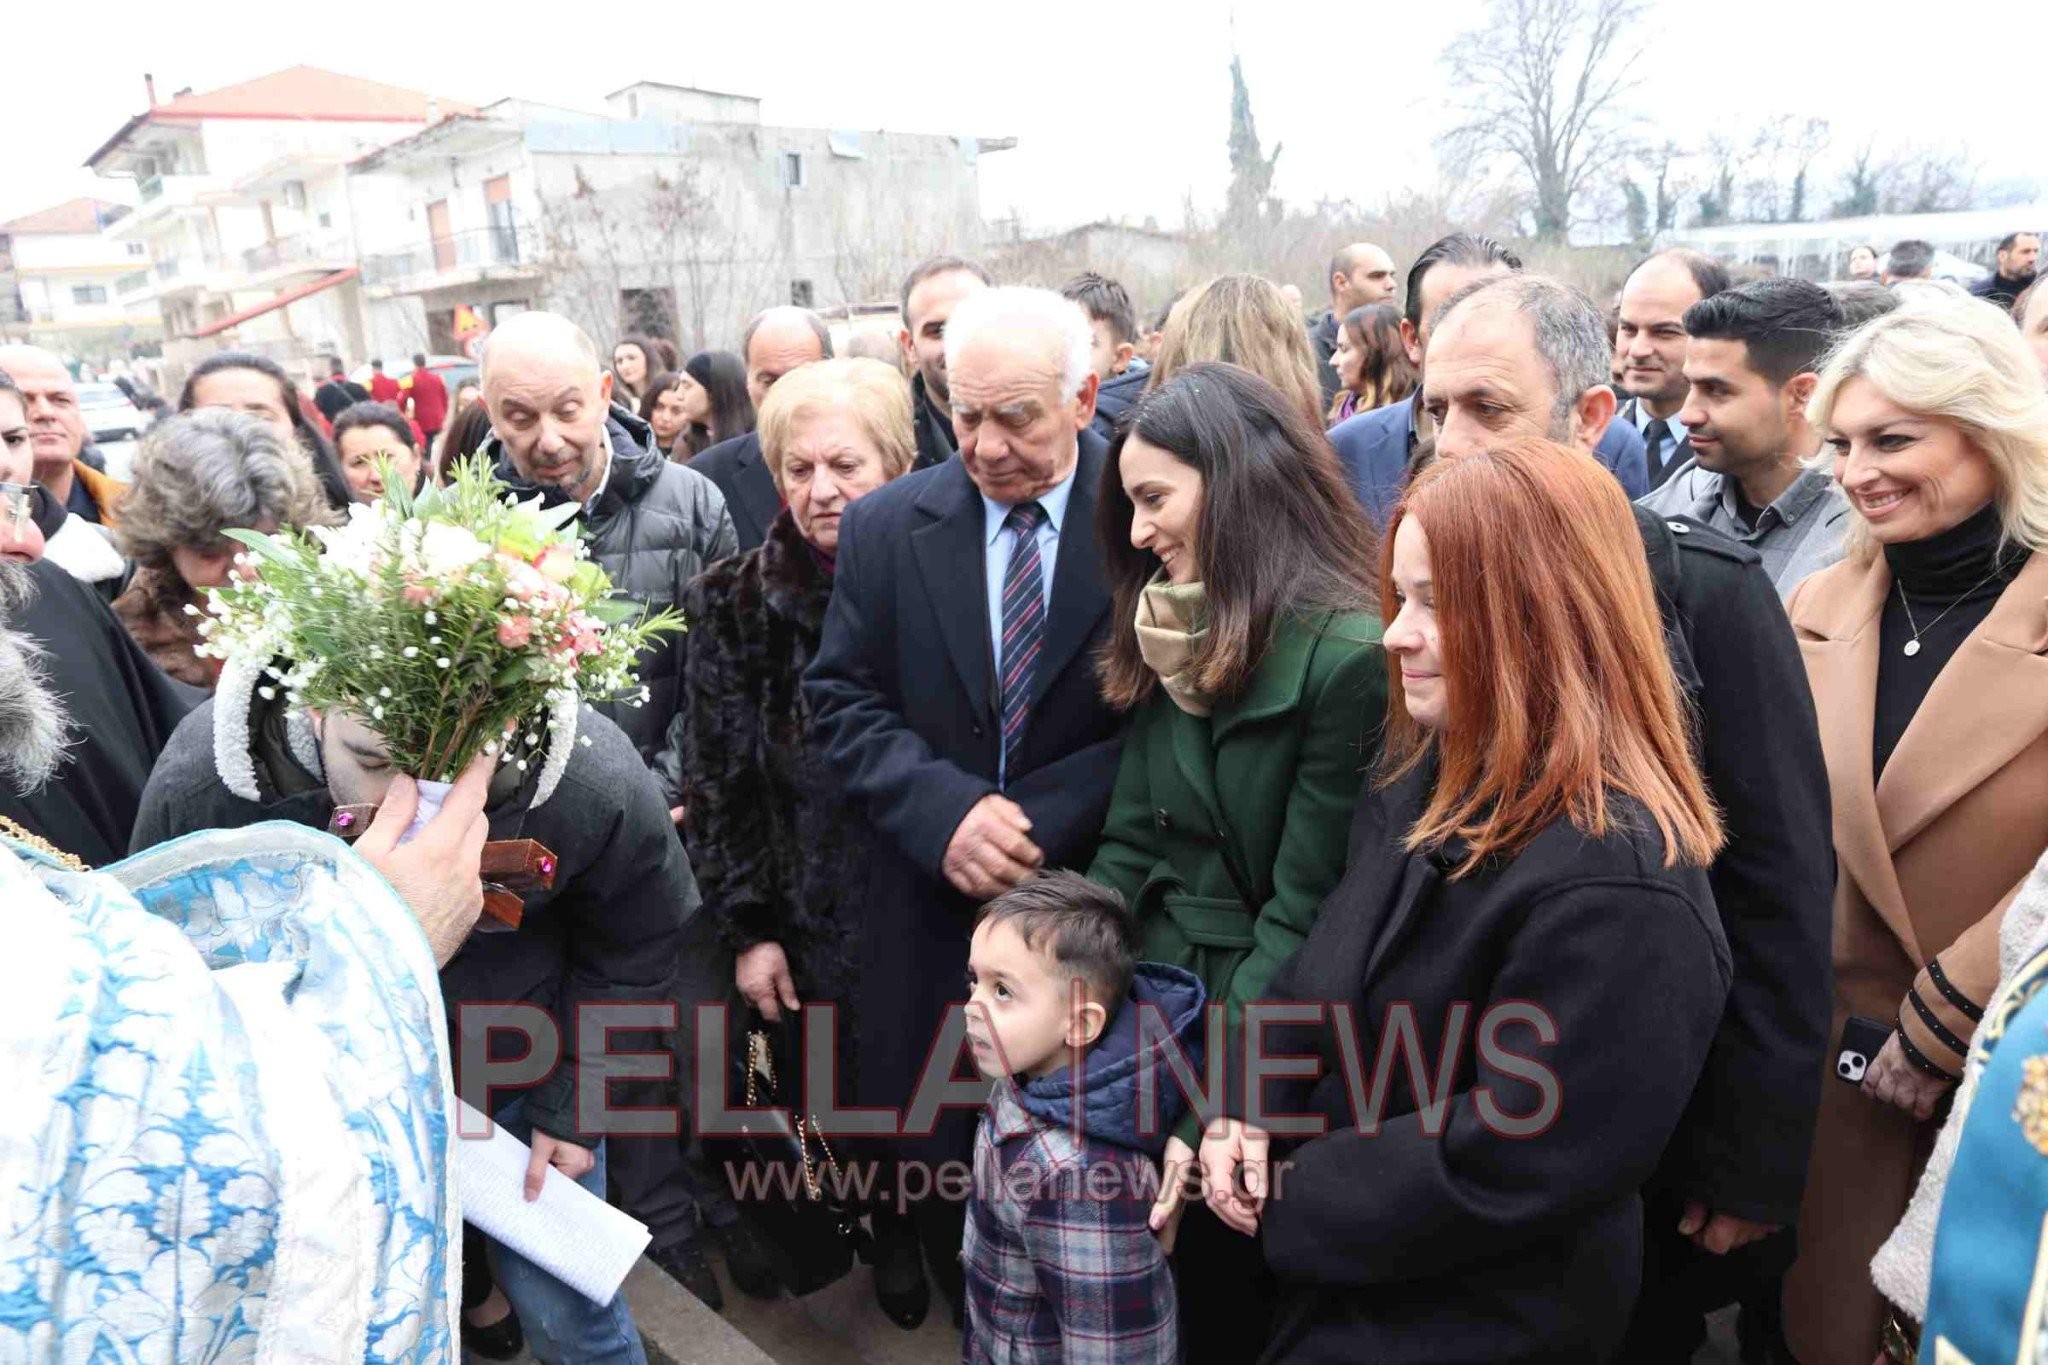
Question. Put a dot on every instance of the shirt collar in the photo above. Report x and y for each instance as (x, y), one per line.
(1808, 488)
(1643, 419)
(1053, 500)
(604, 480)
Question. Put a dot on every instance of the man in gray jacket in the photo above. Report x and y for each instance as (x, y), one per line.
(653, 525)
(1751, 362)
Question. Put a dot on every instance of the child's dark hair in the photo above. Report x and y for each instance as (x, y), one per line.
(1083, 924)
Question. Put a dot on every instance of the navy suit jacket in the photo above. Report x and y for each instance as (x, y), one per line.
(903, 695)
(1373, 448)
(737, 468)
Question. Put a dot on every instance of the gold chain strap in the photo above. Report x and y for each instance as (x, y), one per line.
(42, 845)
(761, 1061)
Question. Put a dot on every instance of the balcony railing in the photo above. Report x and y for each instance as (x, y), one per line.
(299, 249)
(478, 248)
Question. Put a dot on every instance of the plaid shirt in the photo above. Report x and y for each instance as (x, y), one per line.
(1055, 1272)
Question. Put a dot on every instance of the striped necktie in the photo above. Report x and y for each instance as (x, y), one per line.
(1023, 620)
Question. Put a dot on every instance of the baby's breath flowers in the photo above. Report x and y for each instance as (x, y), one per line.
(454, 623)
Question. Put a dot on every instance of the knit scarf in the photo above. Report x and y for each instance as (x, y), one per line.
(1172, 621)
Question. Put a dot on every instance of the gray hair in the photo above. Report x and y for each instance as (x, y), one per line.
(202, 473)
(1017, 310)
(1571, 334)
(34, 728)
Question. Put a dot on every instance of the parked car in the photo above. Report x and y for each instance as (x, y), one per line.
(109, 416)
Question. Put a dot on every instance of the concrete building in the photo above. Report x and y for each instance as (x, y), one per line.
(63, 282)
(245, 212)
(674, 211)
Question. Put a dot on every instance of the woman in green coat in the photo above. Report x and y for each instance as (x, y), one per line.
(1245, 639)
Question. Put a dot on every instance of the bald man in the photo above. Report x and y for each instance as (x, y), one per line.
(58, 434)
(653, 525)
(775, 342)
(1359, 274)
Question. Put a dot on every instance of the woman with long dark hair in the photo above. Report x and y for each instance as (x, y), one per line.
(1245, 640)
(245, 382)
(1372, 365)
(635, 360)
(715, 399)
(1516, 984)
(370, 438)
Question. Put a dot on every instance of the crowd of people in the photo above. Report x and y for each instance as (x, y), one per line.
(1521, 822)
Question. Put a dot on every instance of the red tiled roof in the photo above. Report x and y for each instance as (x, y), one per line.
(307, 92)
(83, 216)
(299, 92)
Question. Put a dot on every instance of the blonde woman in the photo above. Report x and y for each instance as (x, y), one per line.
(1243, 320)
(771, 837)
(1923, 650)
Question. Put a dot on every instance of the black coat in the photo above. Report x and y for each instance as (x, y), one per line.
(122, 711)
(904, 695)
(935, 440)
(738, 470)
(1322, 336)
(775, 850)
(610, 928)
(1470, 1239)
(1117, 397)
(1743, 1146)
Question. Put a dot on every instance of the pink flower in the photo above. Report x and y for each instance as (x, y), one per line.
(555, 563)
(583, 634)
(515, 631)
(417, 594)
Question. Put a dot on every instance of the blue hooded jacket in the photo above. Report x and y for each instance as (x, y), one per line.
(1060, 1263)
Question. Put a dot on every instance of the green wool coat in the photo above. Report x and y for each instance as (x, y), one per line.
(1251, 803)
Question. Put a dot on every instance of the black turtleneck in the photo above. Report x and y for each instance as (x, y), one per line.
(1958, 571)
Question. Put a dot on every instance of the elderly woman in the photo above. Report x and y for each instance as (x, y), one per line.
(196, 478)
(770, 837)
(1923, 648)
(371, 439)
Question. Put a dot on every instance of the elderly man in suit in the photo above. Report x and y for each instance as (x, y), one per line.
(955, 693)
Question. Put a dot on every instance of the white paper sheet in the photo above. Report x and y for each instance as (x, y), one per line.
(568, 1232)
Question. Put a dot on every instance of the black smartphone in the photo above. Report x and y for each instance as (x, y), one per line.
(1862, 1040)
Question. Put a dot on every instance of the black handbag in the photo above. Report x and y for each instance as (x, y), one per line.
(794, 1196)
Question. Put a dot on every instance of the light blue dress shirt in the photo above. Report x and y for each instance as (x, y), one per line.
(999, 540)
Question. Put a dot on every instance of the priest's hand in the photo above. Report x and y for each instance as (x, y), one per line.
(439, 873)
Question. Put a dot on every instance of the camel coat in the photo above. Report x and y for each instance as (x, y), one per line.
(1928, 860)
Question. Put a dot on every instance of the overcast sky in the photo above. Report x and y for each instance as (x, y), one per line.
(1120, 107)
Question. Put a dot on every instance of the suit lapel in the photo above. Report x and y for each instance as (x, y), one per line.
(754, 490)
(951, 558)
(1079, 597)
(1987, 704)
(1838, 636)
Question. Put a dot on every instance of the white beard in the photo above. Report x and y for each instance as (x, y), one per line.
(33, 728)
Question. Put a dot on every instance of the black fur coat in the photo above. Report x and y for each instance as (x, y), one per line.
(773, 841)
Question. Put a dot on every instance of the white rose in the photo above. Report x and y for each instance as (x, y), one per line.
(444, 550)
(353, 546)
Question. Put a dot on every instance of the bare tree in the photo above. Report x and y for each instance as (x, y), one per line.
(1545, 84)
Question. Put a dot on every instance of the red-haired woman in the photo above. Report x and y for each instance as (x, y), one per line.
(1523, 964)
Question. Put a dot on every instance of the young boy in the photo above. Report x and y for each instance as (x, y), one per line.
(1060, 1265)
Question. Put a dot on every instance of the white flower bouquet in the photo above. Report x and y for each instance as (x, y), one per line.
(454, 623)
